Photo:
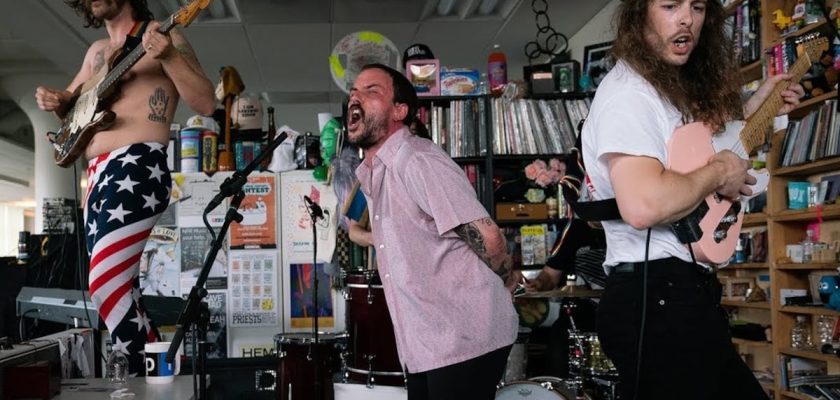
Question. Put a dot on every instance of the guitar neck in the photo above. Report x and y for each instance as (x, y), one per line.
(754, 132)
(128, 61)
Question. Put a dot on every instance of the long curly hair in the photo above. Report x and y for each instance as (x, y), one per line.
(706, 88)
(139, 11)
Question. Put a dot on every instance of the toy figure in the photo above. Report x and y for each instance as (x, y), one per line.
(798, 17)
(781, 20)
(834, 14)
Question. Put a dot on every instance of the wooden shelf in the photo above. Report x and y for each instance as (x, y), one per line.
(806, 266)
(751, 71)
(763, 305)
(754, 219)
(808, 310)
(814, 100)
(746, 266)
(794, 395)
(831, 211)
(802, 31)
(751, 343)
(810, 354)
(816, 167)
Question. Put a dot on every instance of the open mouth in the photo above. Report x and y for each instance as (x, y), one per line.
(355, 115)
(682, 42)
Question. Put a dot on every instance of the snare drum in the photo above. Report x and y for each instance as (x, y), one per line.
(586, 358)
(539, 388)
(373, 349)
(297, 354)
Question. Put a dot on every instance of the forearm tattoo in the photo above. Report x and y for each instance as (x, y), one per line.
(472, 235)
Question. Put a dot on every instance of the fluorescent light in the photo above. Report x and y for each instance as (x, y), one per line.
(487, 7)
(445, 7)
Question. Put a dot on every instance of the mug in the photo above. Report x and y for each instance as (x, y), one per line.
(157, 369)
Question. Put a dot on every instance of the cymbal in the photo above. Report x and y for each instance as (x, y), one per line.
(566, 291)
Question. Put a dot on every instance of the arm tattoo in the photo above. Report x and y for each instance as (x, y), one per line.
(470, 234)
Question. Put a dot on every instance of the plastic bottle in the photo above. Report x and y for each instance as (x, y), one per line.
(117, 368)
(740, 257)
(808, 247)
(497, 70)
(482, 86)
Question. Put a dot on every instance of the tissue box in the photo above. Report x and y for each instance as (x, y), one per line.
(459, 82)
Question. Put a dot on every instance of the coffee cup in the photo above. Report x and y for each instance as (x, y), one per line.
(157, 369)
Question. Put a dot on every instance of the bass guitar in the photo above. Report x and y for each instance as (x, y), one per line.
(88, 113)
(693, 144)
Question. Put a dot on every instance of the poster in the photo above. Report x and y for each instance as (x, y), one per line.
(300, 300)
(253, 288)
(296, 226)
(160, 263)
(195, 191)
(217, 332)
(195, 245)
(258, 229)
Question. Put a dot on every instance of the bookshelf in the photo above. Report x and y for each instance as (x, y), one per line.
(784, 226)
(493, 140)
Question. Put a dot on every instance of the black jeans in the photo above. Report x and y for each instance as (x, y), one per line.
(687, 352)
(475, 378)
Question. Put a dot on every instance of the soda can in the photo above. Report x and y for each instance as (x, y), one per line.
(209, 152)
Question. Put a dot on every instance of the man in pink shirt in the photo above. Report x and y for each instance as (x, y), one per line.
(443, 262)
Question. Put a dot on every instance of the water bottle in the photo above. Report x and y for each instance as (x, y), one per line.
(117, 368)
(808, 247)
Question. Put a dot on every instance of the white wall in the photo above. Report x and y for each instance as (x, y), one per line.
(598, 30)
(13, 222)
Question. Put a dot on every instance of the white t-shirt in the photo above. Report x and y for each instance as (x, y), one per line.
(627, 116)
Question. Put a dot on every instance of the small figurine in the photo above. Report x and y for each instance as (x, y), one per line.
(781, 20)
(834, 14)
(798, 17)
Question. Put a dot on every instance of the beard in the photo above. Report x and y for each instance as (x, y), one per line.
(107, 9)
(370, 135)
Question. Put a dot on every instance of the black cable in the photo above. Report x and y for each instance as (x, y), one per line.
(20, 323)
(643, 318)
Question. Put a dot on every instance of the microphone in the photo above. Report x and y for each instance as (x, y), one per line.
(317, 213)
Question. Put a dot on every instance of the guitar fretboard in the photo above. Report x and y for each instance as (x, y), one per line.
(754, 133)
(128, 61)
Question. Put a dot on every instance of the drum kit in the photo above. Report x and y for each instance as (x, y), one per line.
(366, 353)
(592, 374)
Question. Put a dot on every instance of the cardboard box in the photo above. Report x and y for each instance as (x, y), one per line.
(459, 82)
(521, 211)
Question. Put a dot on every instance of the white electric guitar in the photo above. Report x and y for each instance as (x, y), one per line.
(692, 145)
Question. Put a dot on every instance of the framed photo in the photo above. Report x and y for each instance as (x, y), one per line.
(738, 288)
(597, 61)
(566, 76)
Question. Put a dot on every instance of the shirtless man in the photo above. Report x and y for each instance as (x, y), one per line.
(128, 179)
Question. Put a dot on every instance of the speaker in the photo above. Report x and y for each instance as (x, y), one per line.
(245, 378)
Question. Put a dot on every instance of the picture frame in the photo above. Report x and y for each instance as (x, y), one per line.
(597, 61)
(738, 288)
(566, 75)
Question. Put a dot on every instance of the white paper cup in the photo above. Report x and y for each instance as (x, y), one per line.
(157, 369)
(323, 118)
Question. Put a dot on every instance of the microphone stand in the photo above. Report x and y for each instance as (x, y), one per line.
(232, 186)
(315, 213)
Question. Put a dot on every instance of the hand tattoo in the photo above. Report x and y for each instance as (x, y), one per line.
(158, 103)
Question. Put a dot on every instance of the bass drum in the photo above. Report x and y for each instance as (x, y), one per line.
(539, 388)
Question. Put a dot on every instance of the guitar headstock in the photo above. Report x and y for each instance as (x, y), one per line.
(186, 15)
(814, 47)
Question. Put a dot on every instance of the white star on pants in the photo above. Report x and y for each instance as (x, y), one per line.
(117, 213)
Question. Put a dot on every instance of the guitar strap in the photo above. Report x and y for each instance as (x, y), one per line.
(593, 210)
(132, 39)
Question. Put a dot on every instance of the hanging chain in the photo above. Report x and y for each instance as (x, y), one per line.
(547, 39)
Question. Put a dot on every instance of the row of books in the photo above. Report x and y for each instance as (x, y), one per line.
(744, 28)
(530, 245)
(781, 57)
(796, 372)
(459, 126)
(813, 137)
(528, 126)
(478, 180)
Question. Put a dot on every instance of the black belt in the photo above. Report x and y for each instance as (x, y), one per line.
(634, 267)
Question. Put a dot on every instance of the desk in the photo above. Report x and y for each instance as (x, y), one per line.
(100, 389)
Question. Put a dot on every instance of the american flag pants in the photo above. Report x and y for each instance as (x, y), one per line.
(128, 189)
